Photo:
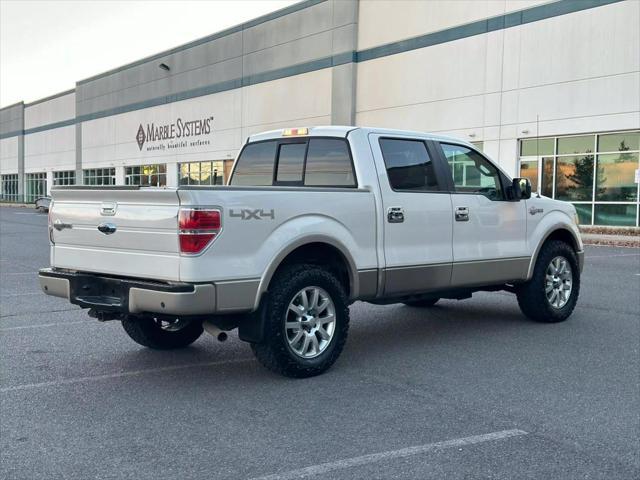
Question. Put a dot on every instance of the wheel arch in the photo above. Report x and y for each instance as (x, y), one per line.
(314, 249)
(561, 233)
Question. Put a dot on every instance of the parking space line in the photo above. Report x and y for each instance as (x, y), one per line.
(44, 325)
(20, 273)
(131, 373)
(22, 314)
(19, 294)
(391, 454)
(614, 255)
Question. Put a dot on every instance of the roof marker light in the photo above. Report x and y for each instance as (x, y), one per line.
(292, 132)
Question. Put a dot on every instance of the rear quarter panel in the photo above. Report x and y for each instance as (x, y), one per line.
(261, 223)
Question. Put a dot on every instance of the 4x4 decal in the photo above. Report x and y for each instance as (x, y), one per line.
(250, 214)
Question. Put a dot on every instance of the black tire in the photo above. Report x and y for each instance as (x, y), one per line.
(274, 351)
(426, 303)
(147, 332)
(532, 298)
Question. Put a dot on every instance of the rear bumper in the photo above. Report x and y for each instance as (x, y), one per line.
(124, 295)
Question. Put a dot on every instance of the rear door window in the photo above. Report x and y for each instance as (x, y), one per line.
(329, 164)
(255, 165)
(409, 166)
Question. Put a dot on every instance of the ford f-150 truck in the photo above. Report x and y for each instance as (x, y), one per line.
(312, 220)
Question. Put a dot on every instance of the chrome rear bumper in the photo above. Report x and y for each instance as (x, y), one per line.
(127, 295)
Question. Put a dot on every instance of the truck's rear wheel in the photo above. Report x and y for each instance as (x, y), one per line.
(162, 334)
(551, 294)
(306, 322)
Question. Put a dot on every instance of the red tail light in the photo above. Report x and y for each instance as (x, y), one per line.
(198, 227)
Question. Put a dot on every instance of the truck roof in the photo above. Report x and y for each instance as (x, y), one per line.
(343, 130)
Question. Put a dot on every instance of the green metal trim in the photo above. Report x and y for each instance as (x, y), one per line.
(15, 133)
(500, 22)
(534, 14)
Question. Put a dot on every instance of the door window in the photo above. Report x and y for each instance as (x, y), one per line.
(409, 166)
(472, 173)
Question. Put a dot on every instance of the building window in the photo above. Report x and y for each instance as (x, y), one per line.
(595, 172)
(99, 176)
(9, 192)
(146, 175)
(67, 177)
(201, 173)
(36, 186)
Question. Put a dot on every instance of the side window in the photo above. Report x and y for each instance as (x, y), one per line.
(255, 165)
(291, 162)
(409, 166)
(328, 164)
(472, 173)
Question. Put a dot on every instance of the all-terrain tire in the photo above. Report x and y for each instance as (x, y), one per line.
(275, 352)
(532, 297)
(426, 303)
(147, 332)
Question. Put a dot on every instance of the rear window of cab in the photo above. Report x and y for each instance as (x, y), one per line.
(309, 162)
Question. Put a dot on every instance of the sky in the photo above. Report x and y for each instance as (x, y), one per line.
(48, 45)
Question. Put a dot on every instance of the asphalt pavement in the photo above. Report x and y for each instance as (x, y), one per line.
(467, 389)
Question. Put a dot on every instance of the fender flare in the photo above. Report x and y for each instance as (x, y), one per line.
(354, 285)
(554, 228)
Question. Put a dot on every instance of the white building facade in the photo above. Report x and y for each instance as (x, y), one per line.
(549, 90)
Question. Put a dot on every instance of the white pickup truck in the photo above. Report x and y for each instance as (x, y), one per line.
(312, 220)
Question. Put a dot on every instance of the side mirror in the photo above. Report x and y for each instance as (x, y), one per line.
(521, 189)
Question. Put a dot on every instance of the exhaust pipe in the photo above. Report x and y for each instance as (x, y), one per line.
(211, 329)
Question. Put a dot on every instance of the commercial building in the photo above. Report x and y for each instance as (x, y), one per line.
(549, 89)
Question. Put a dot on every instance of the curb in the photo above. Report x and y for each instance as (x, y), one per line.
(17, 205)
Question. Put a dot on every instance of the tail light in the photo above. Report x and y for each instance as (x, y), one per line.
(197, 228)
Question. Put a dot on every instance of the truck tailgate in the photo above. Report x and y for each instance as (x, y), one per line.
(144, 243)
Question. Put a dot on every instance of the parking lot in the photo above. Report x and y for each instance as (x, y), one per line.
(468, 389)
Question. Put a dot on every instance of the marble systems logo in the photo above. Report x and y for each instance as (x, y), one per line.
(140, 137)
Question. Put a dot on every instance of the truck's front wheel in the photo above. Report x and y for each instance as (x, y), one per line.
(162, 334)
(552, 292)
(306, 322)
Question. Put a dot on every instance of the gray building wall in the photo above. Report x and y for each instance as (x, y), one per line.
(304, 37)
(12, 124)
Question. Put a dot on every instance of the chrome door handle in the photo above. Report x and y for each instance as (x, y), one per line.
(395, 215)
(462, 214)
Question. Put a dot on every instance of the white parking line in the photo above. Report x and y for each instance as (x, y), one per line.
(44, 325)
(20, 294)
(20, 273)
(615, 255)
(132, 373)
(389, 455)
(26, 213)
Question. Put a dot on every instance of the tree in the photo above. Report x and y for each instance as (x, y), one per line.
(581, 178)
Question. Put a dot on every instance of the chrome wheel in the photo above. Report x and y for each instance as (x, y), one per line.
(310, 322)
(558, 282)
